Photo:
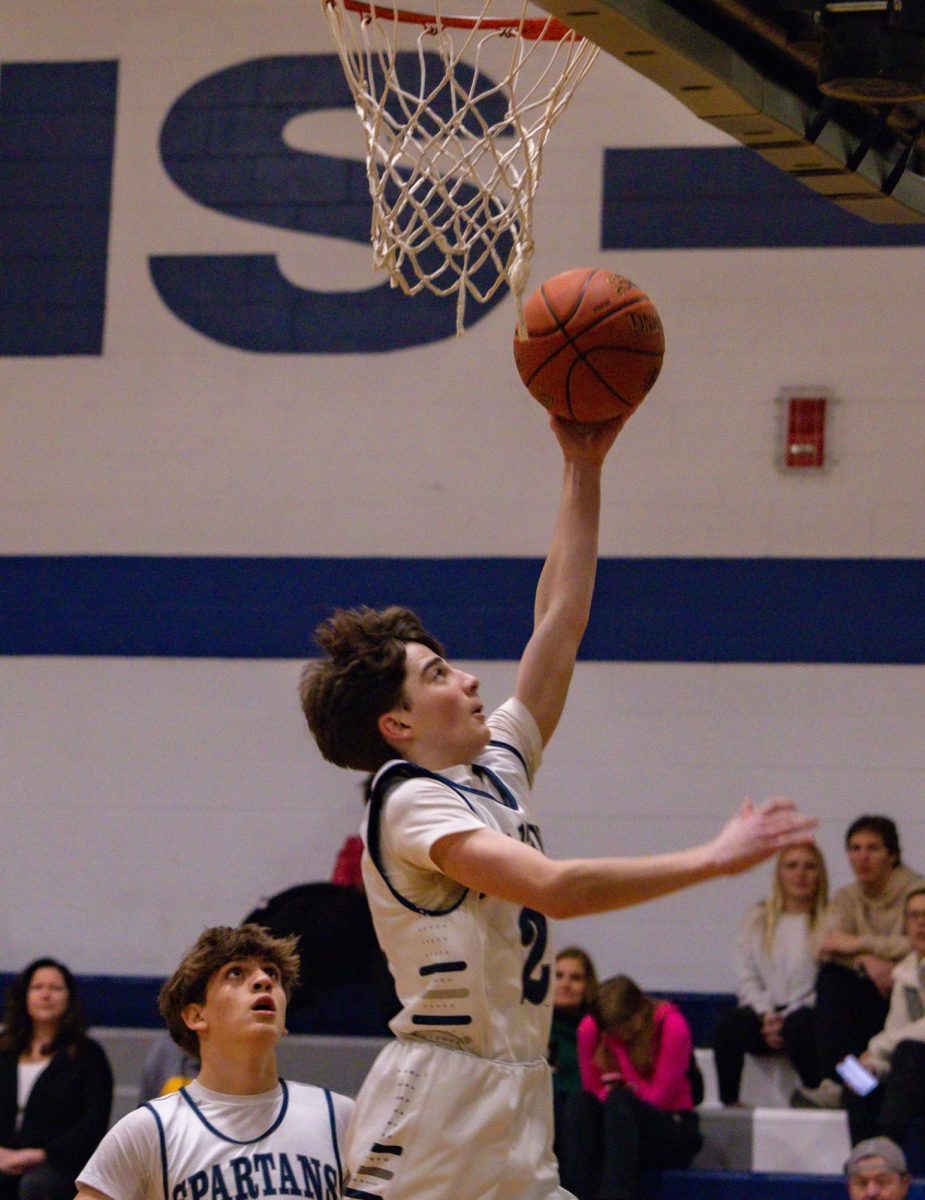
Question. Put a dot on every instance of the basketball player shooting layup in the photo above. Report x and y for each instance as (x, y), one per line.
(458, 1107)
(238, 1131)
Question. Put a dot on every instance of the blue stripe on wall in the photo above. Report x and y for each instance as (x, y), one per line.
(646, 609)
(725, 197)
(131, 1001)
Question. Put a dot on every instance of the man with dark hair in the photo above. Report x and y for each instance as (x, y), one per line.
(858, 942)
(237, 1130)
(458, 1106)
(883, 827)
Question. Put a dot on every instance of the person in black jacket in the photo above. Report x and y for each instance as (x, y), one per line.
(56, 1086)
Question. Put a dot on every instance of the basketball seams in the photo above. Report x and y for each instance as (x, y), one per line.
(618, 312)
(603, 322)
(572, 343)
(614, 347)
(605, 383)
(561, 322)
(610, 388)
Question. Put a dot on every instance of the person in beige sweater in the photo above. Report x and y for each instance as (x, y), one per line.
(857, 944)
(896, 1055)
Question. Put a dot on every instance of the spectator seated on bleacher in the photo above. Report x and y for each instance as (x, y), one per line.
(166, 1069)
(775, 975)
(56, 1086)
(574, 989)
(636, 1109)
(897, 1054)
(876, 1170)
(857, 943)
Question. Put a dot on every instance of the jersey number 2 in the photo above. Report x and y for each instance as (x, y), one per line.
(533, 933)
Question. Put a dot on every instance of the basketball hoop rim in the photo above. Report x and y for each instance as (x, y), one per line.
(533, 29)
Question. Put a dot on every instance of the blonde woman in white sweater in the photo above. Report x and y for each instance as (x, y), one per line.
(775, 975)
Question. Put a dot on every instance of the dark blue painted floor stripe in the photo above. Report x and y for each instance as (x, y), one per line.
(646, 609)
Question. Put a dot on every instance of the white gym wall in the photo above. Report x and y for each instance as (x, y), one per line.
(144, 798)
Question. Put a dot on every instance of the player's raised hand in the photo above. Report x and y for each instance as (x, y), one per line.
(586, 442)
(757, 832)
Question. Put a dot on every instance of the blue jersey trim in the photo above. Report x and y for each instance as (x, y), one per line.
(395, 772)
(162, 1140)
(513, 749)
(236, 1141)
(380, 1148)
(506, 796)
(445, 968)
(422, 1020)
(340, 1169)
(356, 1194)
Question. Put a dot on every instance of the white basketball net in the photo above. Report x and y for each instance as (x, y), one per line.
(455, 127)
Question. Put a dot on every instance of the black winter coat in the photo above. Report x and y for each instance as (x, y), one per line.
(68, 1109)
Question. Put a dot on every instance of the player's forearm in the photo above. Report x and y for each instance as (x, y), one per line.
(566, 584)
(750, 836)
(484, 860)
(582, 887)
(563, 599)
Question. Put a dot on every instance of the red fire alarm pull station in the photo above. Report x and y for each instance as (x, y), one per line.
(804, 433)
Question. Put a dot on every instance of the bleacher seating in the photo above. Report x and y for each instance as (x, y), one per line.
(767, 1152)
(768, 1135)
(339, 1063)
(768, 1081)
(732, 1185)
(766, 1138)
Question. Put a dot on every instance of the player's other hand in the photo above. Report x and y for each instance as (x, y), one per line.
(586, 443)
(757, 832)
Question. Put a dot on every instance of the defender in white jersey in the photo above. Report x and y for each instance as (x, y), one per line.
(459, 1107)
(238, 1131)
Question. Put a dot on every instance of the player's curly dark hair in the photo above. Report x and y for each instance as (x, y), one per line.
(360, 677)
(211, 951)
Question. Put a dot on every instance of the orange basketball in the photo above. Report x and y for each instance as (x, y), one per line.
(594, 345)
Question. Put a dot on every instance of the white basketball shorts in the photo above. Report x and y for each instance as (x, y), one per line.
(433, 1123)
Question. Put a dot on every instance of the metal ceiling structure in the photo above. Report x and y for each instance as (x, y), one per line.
(832, 95)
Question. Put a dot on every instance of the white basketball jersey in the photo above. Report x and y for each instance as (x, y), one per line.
(472, 972)
(195, 1144)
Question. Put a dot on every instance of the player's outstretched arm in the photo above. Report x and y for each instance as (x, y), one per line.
(566, 584)
(488, 861)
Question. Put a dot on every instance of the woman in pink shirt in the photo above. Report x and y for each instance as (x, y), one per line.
(637, 1107)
